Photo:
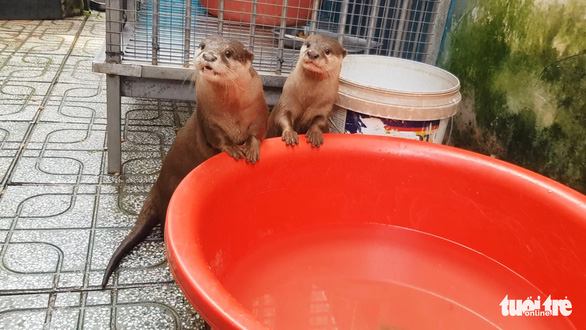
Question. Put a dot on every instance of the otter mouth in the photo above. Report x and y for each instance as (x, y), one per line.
(312, 63)
(208, 69)
(312, 66)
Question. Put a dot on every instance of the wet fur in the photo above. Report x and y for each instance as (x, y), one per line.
(230, 115)
(309, 93)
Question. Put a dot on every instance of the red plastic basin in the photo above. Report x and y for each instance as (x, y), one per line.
(372, 232)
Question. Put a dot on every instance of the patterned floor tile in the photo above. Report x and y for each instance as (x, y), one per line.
(61, 111)
(141, 167)
(66, 26)
(145, 165)
(67, 136)
(78, 70)
(16, 73)
(17, 110)
(132, 303)
(14, 282)
(26, 67)
(23, 91)
(12, 132)
(16, 29)
(59, 167)
(51, 37)
(61, 216)
(19, 199)
(86, 93)
(73, 211)
(20, 101)
(89, 46)
(144, 264)
(51, 251)
(23, 311)
(119, 210)
(150, 114)
(4, 56)
(47, 45)
(94, 26)
(29, 301)
(139, 138)
(159, 308)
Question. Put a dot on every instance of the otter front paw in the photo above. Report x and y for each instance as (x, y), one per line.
(290, 137)
(235, 152)
(252, 151)
(253, 155)
(316, 138)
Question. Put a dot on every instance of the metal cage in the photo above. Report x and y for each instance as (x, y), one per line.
(150, 44)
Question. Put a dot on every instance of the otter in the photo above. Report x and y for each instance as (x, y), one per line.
(309, 93)
(230, 116)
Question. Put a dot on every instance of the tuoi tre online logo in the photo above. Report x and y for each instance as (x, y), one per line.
(529, 307)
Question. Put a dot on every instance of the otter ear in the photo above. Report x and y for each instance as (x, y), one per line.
(344, 52)
(248, 55)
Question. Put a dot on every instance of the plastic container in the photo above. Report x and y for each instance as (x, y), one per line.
(268, 12)
(394, 97)
(361, 234)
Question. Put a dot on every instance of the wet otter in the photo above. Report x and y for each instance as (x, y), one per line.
(230, 115)
(309, 93)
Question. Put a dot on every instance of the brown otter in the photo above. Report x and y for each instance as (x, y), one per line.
(230, 115)
(309, 92)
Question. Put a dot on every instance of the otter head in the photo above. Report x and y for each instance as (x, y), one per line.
(222, 60)
(321, 55)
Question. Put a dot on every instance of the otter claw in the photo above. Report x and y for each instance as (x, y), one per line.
(316, 138)
(235, 152)
(252, 150)
(252, 155)
(290, 137)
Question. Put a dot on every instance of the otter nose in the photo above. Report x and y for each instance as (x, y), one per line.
(312, 54)
(209, 57)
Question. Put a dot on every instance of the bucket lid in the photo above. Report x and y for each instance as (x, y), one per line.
(396, 88)
(397, 75)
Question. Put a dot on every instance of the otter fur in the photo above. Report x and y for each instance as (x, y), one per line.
(309, 93)
(230, 116)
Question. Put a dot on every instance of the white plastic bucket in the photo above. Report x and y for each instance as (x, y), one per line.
(390, 96)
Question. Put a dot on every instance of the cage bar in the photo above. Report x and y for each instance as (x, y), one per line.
(156, 39)
(401, 28)
(187, 40)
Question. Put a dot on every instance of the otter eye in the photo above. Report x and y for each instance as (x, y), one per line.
(328, 52)
(228, 54)
(307, 45)
(202, 46)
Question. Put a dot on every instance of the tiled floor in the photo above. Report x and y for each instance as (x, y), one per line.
(61, 216)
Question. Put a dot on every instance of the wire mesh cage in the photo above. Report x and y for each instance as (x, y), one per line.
(150, 44)
(168, 31)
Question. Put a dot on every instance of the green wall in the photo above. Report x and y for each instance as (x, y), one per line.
(522, 66)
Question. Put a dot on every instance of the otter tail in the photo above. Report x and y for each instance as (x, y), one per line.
(147, 220)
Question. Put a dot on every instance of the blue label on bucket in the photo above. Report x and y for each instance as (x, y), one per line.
(358, 123)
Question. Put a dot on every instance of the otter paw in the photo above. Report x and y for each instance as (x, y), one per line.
(252, 149)
(235, 152)
(316, 138)
(252, 154)
(290, 137)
